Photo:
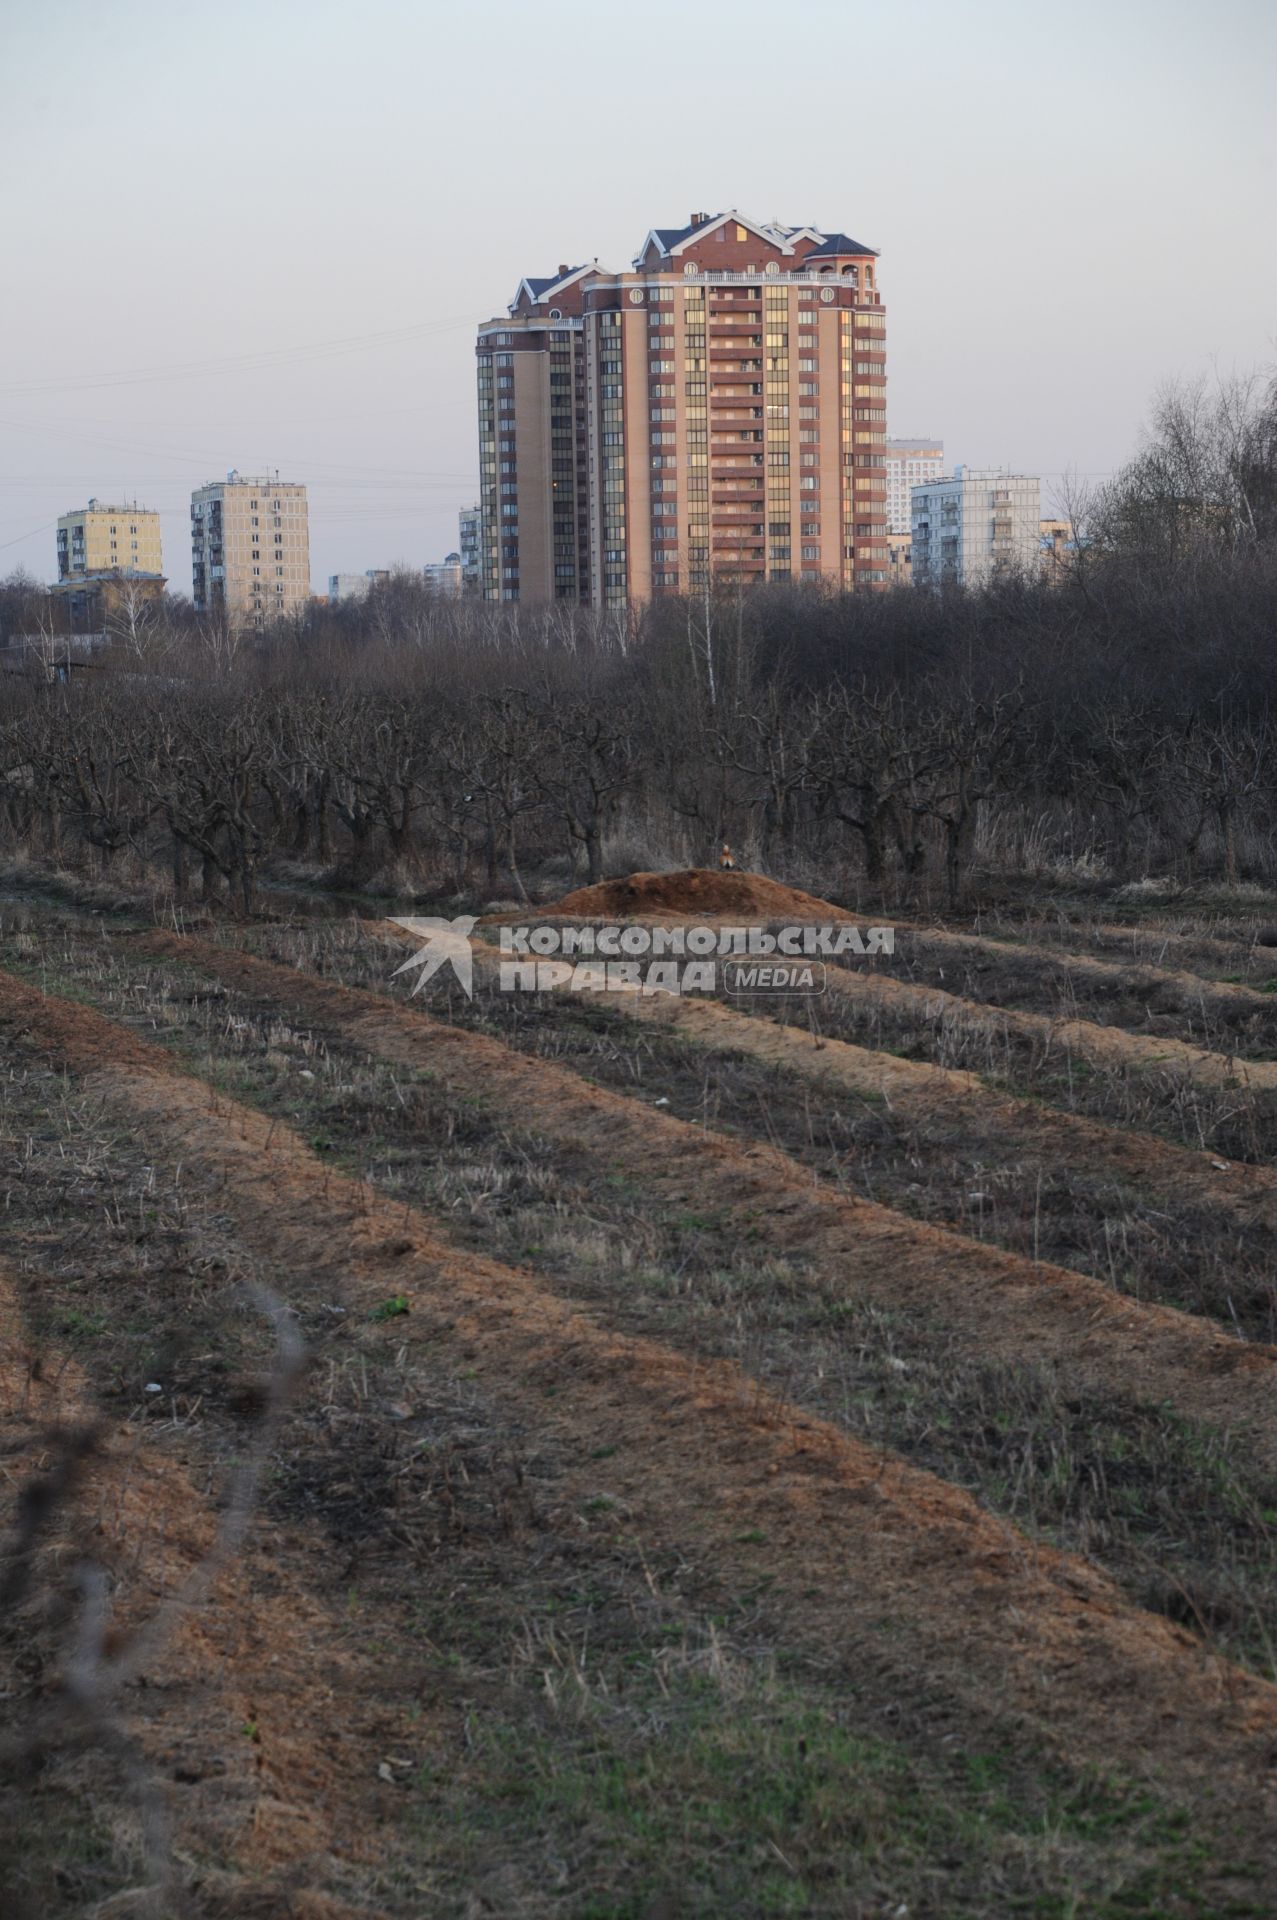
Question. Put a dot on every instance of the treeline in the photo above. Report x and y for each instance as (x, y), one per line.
(1118, 722)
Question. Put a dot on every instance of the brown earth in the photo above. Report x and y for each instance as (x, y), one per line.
(994, 1303)
(695, 893)
(278, 1809)
(1187, 986)
(1104, 1045)
(727, 898)
(743, 1486)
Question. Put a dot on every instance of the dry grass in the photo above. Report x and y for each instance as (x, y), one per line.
(580, 1730)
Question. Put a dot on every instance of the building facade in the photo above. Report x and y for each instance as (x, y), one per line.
(1057, 549)
(446, 575)
(100, 539)
(909, 463)
(115, 601)
(974, 527)
(250, 548)
(717, 412)
(348, 586)
(469, 544)
(355, 586)
(900, 559)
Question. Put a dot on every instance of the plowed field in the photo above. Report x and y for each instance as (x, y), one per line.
(573, 1453)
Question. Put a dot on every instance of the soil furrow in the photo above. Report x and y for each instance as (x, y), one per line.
(747, 1488)
(1136, 974)
(235, 1657)
(990, 1302)
(1104, 1045)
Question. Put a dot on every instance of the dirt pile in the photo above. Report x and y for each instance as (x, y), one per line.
(698, 893)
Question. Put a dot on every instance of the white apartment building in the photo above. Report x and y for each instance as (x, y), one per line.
(909, 462)
(975, 526)
(446, 575)
(348, 586)
(250, 548)
(356, 586)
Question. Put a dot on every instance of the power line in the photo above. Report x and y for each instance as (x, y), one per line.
(17, 541)
(259, 361)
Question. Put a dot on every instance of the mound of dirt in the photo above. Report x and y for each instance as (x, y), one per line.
(698, 893)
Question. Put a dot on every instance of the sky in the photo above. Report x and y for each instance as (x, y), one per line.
(260, 235)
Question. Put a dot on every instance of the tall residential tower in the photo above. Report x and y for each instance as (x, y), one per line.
(250, 549)
(716, 412)
(909, 463)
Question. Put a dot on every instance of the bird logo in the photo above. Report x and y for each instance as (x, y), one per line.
(447, 944)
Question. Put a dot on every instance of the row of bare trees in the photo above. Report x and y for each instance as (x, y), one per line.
(462, 783)
(1119, 719)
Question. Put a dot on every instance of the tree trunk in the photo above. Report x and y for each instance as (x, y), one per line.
(594, 854)
(515, 875)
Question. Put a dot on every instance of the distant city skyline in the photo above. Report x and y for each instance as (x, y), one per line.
(1065, 220)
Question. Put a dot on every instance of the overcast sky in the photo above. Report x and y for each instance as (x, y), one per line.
(261, 234)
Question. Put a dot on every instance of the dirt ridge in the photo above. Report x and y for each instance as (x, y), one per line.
(742, 1483)
(992, 1302)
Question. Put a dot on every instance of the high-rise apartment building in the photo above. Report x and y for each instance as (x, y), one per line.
(909, 463)
(716, 412)
(103, 539)
(445, 576)
(470, 527)
(250, 548)
(975, 526)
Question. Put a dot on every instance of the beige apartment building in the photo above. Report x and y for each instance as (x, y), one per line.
(1058, 548)
(250, 548)
(715, 413)
(105, 539)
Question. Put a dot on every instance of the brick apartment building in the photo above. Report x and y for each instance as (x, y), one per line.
(717, 412)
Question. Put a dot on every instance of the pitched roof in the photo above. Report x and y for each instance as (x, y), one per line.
(835, 243)
(538, 289)
(670, 236)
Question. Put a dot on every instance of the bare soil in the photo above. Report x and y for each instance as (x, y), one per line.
(695, 893)
(990, 1302)
(746, 1489)
(542, 1614)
